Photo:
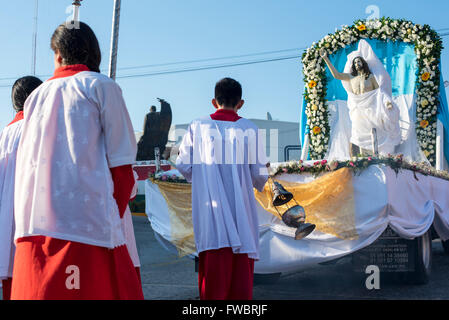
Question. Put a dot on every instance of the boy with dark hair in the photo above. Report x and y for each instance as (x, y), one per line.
(9, 141)
(224, 159)
(75, 181)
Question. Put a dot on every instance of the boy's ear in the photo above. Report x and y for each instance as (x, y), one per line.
(240, 104)
(215, 104)
(58, 59)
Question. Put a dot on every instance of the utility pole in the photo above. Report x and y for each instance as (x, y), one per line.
(34, 42)
(114, 39)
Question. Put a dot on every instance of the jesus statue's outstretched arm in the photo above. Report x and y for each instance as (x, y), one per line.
(337, 75)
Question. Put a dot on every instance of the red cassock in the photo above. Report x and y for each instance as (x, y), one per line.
(44, 266)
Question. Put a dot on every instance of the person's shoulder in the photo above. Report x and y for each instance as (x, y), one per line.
(246, 123)
(10, 131)
(96, 80)
(94, 76)
(201, 120)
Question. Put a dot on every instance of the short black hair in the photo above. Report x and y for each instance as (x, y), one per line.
(21, 89)
(77, 45)
(153, 108)
(228, 92)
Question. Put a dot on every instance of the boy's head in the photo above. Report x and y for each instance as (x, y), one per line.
(76, 46)
(228, 94)
(21, 89)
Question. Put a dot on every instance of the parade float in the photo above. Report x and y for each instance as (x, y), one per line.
(382, 209)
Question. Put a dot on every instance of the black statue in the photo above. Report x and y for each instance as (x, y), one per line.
(155, 132)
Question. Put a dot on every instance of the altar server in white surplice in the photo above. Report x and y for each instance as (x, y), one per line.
(75, 182)
(9, 141)
(224, 159)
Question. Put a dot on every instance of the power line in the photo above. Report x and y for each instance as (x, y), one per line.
(189, 69)
(206, 67)
(203, 67)
(212, 59)
(196, 69)
(188, 61)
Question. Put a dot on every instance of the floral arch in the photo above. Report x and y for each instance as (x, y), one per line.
(427, 46)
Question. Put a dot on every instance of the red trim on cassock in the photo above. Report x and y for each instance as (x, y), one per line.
(17, 118)
(6, 284)
(123, 178)
(42, 271)
(225, 115)
(138, 275)
(224, 275)
(68, 71)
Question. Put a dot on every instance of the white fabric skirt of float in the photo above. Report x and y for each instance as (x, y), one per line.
(382, 199)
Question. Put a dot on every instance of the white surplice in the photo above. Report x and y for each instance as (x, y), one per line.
(75, 129)
(128, 228)
(224, 161)
(9, 141)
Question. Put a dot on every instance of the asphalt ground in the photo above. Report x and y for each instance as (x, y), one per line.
(165, 276)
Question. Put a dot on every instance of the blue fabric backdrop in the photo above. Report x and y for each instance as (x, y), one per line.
(443, 116)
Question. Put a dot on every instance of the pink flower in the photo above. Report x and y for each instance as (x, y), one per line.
(285, 170)
(316, 163)
(323, 162)
(302, 168)
(369, 158)
(164, 178)
(351, 164)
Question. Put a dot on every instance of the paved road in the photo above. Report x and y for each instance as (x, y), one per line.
(165, 276)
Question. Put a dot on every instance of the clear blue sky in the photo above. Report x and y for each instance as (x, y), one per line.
(158, 32)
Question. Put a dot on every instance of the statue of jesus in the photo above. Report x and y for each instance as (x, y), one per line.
(370, 101)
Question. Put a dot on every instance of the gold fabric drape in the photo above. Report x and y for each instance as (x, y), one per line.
(328, 202)
(179, 201)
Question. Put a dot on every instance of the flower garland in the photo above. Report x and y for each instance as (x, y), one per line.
(164, 177)
(358, 165)
(428, 46)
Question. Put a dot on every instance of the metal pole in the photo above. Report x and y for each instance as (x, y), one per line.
(34, 45)
(76, 12)
(114, 39)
